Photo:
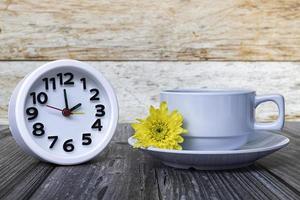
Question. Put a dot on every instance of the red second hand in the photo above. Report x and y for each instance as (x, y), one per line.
(71, 113)
(54, 108)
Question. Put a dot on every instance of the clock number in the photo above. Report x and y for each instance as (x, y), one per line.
(53, 83)
(38, 129)
(54, 138)
(51, 80)
(86, 139)
(97, 124)
(100, 110)
(69, 81)
(42, 97)
(83, 80)
(68, 146)
(46, 83)
(69, 78)
(60, 76)
(32, 112)
(95, 95)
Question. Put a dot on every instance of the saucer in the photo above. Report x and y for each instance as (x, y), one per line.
(260, 144)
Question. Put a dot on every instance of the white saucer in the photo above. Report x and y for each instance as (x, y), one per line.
(261, 143)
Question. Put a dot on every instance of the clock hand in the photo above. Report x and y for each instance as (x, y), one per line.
(75, 107)
(54, 108)
(77, 113)
(66, 99)
(64, 112)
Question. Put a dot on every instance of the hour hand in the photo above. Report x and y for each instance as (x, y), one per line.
(75, 107)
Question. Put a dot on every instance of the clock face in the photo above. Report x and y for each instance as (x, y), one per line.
(69, 113)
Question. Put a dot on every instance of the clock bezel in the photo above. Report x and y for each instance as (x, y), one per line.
(17, 115)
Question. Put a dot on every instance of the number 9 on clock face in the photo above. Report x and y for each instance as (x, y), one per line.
(65, 112)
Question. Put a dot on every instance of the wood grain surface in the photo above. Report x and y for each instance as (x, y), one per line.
(138, 84)
(121, 172)
(150, 30)
(20, 174)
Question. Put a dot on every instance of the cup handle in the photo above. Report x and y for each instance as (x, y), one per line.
(279, 101)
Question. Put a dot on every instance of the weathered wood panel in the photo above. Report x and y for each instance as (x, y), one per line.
(248, 183)
(150, 30)
(20, 174)
(138, 84)
(121, 172)
(283, 164)
(118, 174)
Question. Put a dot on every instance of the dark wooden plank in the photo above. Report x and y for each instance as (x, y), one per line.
(121, 172)
(4, 132)
(20, 174)
(125, 173)
(285, 164)
(118, 173)
(248, 183)
(123, 132)
(294, 128)
(28, 182)
(3, 127)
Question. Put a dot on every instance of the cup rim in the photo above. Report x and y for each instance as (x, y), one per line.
(208, 91)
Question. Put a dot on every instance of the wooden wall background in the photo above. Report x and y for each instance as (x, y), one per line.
(152, 45)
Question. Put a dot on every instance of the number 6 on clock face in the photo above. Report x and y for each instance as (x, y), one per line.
(65, 112)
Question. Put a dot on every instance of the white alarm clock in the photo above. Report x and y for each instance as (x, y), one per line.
(64, 112)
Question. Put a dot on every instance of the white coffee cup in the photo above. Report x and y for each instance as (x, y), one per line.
(220, 119)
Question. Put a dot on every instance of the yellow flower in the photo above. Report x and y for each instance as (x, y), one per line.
(160, 129)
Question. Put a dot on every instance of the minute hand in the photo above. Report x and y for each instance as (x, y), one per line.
(66, 99)
(75, 107)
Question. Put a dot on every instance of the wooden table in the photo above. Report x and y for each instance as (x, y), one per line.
(121, 172)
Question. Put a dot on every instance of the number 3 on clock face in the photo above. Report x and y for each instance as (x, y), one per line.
(65, 112)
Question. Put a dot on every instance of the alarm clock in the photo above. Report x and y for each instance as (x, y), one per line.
(65, 112)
